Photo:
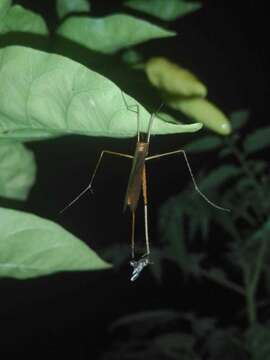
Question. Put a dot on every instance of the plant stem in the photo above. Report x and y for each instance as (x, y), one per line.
(242, 161)
(252, 284)
(226, 283)
(251, 308)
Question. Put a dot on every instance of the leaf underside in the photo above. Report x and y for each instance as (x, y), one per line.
(44, 95)
(31, 246)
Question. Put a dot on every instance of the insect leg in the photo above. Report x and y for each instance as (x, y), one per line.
(132, 235)
(191, 174)
(89, 186)
(144, 188)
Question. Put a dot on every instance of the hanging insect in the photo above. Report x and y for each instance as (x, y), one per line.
(137, 182)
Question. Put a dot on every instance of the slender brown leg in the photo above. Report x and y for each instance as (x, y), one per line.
(132, 235)
(191, 174)
(144, 188)
(89, 186)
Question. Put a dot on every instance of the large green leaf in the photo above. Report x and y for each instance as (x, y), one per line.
(165, 10)
(111, 33)
(173, 79)
(17, 171)
(17, 19)
(4, 7)
(44, 95)
(65, 7)
(204, 111)
(31, 246)
(258, 140)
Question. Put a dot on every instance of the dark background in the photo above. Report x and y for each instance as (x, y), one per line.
(68, 314)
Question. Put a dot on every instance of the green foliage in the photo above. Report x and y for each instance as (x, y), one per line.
(258, 342)
(257, 141)
(203, 111)
(166, 10)
(66, 7)
(45, 95)
(4, 7)
(248, 229)
(149, 319)
(203, 338)
(205, 143)
(17, 19)
(171, 345)
(86, 103)
(173, 79)
(168, 118)
(219, 176)
(31, 247)
(132, 57)
(111, 33)
(143, 340)
(17, 171)
(239, 119)
(226, 345)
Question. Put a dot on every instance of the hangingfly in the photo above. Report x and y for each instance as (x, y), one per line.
(137, 183)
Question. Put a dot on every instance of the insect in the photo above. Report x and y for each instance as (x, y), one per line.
(137, 183)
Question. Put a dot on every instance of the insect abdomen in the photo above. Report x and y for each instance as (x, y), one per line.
(135, 177)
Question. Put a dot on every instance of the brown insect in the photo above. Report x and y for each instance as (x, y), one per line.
(137, 183)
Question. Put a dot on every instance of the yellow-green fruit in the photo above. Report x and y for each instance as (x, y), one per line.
(173, 79)
(203, 111)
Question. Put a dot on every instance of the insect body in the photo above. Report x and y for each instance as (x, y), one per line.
(137, 183)
(136, 176)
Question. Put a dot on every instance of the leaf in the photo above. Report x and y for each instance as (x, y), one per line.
(258, 342)
(173, 79)
(66, 7)
(17, 19)
(258, 140)
(153, 318)
(262, 233)
(250, 254)
(203, 111)
(171, 228)
(171, 345)
(225, 345)
(203, 326)
(132, 57)
(199, 215)
(168, 118)
(217, 274)
(219, 176)
(17, 171)
(4, 7)
(111, 33)
(239, 119)
(44, 95)
(165, 10)
(31, 246)
(205, 143)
